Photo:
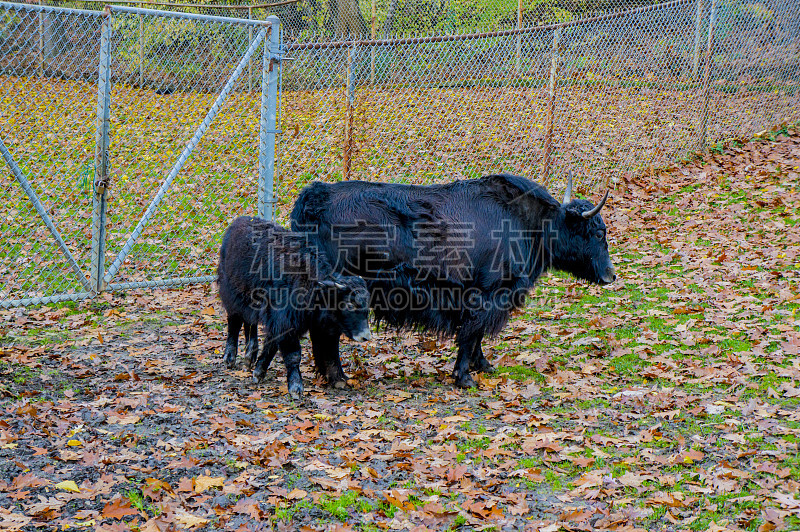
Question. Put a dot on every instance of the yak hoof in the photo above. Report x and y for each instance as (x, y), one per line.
(339, 384)
(258, 376)
(484, 366)
(230, 358)
(296, 392)
(466, 381)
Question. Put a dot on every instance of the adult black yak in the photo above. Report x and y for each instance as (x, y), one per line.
(269, 275)
(454, 258)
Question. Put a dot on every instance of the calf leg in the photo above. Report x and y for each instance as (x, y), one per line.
(232, 342)
(325, 346)
(262, 362)
(251, 344)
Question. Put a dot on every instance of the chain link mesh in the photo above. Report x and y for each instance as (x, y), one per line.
(166, 74)
(186, 65)
(47, 128)
(606, 95)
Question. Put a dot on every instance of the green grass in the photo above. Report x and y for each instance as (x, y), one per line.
(340, 507)
(286, 513)
(522, 373)
(138, 501)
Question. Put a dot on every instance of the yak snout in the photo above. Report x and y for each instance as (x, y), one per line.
(609, 276)
(364, 335)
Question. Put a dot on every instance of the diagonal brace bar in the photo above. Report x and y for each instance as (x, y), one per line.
(187, 151)
(26, 186)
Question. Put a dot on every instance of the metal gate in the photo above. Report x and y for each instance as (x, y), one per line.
(132, 137)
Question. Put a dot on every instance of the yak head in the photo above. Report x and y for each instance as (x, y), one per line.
(350, 305)
(579, 244)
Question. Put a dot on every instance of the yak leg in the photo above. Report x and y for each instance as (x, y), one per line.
(325, 346)
(495, 318)
(251, 344)
(290, 349)
(466, 347)
(477, 361)
(232, 342)
(261, 363)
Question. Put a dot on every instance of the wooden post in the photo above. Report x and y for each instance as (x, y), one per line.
(696, 57)
(707, 78)
(372, 49)
(348, 125)
(519, 37)
(551, 99)
(249, 40)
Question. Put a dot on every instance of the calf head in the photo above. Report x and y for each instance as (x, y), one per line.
(580, 245)
(349, 304)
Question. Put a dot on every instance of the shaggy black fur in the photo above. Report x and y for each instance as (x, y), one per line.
(454, 258)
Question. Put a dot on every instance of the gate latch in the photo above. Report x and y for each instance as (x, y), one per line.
(101, 184)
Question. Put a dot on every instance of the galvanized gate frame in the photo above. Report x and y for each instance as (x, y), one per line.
(101, 279)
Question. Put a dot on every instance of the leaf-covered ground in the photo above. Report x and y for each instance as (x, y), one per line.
(668, 401)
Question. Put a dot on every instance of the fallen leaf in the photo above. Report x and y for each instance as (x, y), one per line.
(68, 485)
(203, 483)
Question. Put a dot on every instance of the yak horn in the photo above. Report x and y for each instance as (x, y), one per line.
(589, 214)
(332, 284)
(568, 192)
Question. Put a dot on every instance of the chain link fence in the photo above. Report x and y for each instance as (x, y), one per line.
(190, 134)
(133, 137)
(606, 96)
(314, 20)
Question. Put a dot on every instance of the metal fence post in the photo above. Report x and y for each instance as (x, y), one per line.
(141, 47)
(101, 155)
(249, 40)
(348, 120)
(551, 99)
(697, 22)
(268, 126)
(707, 77)
(519, 37)
(41, 40)
(372, 49)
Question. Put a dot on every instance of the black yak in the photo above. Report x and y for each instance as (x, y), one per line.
(455, 258)
(271, 276)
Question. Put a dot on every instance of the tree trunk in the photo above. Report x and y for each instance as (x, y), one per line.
(348, 20)
(389, 22)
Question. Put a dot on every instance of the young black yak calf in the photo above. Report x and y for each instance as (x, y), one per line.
(455, 258)
(270, 275)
